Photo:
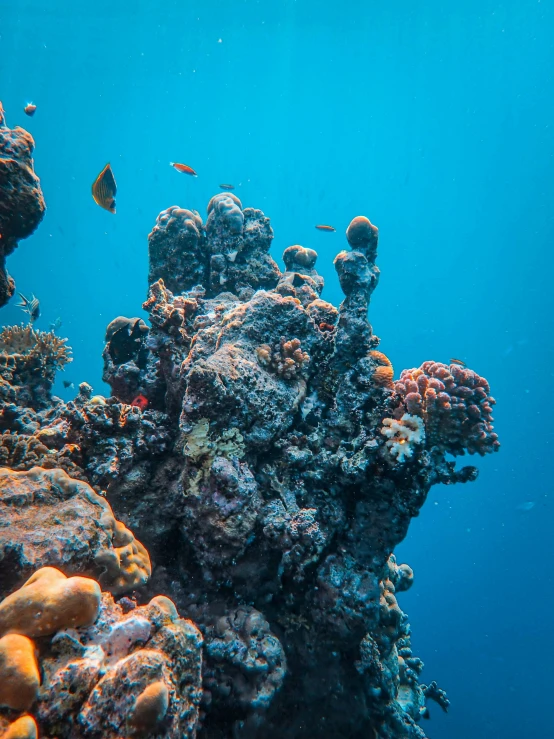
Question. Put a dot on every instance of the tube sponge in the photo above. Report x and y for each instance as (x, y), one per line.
(50, 601)
(19, 676)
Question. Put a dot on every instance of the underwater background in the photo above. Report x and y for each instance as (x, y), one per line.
(433, 119)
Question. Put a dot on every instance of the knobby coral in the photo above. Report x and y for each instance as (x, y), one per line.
(455, 404)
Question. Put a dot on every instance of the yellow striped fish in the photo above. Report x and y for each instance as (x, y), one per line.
(104, 189)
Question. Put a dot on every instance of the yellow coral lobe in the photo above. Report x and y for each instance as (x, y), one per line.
(25, 727)
(50, 601)
(19, 675)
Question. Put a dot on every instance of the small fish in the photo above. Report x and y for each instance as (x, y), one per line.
(30, 109)
(104, 189)
(183, 168)
(31, 307)
(525, 507)
(140, 401)
(67, 383)
(55, 325)
(323, 227)
(227, 187)
(458, 362)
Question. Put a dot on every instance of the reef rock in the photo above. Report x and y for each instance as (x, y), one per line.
(49, 519)
(257, 442)
(21, 201)
(106, 674)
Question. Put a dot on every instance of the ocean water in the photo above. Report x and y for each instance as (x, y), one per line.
(436, 120)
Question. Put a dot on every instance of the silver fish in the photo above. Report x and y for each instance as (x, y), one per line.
(55, 325)
(31, 307)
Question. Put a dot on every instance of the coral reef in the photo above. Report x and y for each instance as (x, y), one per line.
(21, 201)
(103, 672)
(256, 443)
(49, 519)
(29, 360)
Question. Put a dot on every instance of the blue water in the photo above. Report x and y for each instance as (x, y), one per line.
(436, 120)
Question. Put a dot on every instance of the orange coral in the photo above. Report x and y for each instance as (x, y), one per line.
(19, 675)
(384, 372)
(25, 727)
(380, 358)
(382, 376)
(50, 601)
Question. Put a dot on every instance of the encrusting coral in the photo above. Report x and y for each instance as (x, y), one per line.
(257, 444)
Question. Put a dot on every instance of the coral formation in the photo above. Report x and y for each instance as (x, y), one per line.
(48, 519)
(50, 601)
(19, 675)
(105, 673)
(285, 359)
(403, 436)
(21, 201)
(24, 727)
(455, 404)
(29, 361)
(256, 443)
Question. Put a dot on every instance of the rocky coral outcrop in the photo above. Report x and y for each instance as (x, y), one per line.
(21, 201)
(49, 519)
(103, 672)
(257, 443)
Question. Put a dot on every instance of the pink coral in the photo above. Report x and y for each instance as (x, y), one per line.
(455, 404)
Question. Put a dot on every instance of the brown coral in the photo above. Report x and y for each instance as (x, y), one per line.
(29, 361)
(22, 452)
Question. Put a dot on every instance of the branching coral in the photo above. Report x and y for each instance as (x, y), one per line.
(455, 404)
(403, 435)
(29, 361)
